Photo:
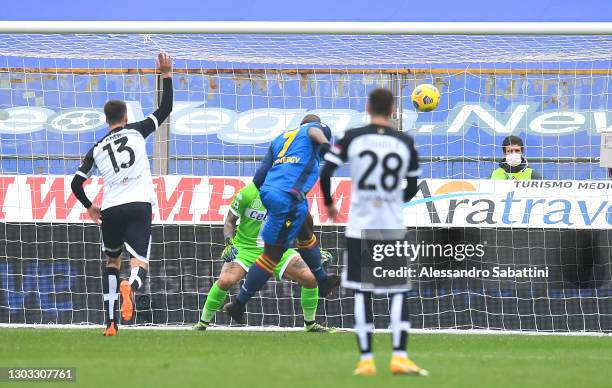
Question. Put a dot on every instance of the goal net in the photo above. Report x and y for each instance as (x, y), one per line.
(498, 255)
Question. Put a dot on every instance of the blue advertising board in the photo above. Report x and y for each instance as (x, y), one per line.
(223, 121)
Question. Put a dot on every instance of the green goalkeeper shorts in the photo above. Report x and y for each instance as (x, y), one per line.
(247, 256)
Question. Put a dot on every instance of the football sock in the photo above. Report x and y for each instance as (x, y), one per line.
(256, 278)
(400, 324)
(311, 254)
(364, 322)
(213, 303)
(110, 289)
(137, 277)
(309, 299)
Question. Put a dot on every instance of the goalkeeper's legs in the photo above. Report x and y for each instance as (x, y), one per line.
(110, 289)
(400, 324)
(256, 278)
(231, 274)
(299, 272)
(364, 326)
(286, 214)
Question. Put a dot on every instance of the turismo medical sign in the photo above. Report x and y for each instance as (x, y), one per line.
(439, 202)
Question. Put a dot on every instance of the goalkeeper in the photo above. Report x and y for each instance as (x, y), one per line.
(242, 250)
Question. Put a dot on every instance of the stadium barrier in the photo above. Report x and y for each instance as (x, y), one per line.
(540, 260)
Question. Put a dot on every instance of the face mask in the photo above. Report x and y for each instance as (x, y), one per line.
(513, 160)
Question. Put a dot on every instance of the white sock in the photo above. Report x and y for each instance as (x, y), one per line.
(400, 353)
(366, 356)
(135, 278)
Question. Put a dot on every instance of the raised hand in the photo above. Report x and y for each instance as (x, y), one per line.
(164, 64)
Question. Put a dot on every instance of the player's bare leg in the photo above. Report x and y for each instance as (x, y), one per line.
(110, 288)
(138, 275)
(231, 274)
(298, 271)
(310, 250)
(265, 267)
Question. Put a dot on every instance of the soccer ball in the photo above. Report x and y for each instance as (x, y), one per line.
(425, 97)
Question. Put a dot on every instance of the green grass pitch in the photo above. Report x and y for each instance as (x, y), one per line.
(226, 359)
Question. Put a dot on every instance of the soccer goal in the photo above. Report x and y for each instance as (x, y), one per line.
(493, 254)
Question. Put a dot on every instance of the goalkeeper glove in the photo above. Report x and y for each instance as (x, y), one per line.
(230, 252)
(326, 257)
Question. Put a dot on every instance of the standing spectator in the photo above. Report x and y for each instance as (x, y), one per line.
(514, 166)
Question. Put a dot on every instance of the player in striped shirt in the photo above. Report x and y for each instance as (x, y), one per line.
(125, 216)
(382, 159)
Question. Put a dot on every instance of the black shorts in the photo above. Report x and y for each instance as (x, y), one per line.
(130, 225)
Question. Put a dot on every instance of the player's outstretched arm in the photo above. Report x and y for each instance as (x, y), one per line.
(154, 120)
(164, 66)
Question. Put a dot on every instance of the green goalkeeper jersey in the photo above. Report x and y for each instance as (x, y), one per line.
(248, 207)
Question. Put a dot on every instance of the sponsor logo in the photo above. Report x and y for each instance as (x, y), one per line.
(438, 202)
(527, 204)
(256, 215)
(262, 125)
(256, 204)
(179, 199)
(287, 159)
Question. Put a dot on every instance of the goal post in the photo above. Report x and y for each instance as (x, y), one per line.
(239, 84)
(320, 28)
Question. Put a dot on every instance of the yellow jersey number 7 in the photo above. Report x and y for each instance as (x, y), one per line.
(290, 136)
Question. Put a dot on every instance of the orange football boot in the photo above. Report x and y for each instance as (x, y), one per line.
(405, 366)
(127, 300)
(111, 330)
(365, 368)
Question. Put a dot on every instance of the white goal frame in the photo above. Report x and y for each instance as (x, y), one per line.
(313, 28)
(322, 28)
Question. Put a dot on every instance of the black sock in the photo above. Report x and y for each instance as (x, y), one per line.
(308, 323)
(110, 289)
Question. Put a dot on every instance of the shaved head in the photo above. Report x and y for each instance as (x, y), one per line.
(310, 119)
